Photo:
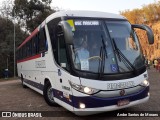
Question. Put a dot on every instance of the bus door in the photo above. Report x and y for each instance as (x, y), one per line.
(63, 77)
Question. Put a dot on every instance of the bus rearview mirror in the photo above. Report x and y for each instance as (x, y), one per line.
(148, 30)
(67, 30)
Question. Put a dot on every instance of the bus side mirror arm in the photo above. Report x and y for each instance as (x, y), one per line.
(149, 31)
(67, 31)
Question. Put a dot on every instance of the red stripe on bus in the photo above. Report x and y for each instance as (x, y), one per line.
(29, 58)
(29, 38)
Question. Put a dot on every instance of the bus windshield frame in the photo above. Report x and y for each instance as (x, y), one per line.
(104, 32)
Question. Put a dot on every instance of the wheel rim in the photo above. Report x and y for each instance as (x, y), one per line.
(50, 94)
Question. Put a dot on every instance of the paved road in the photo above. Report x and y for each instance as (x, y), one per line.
(15, 98)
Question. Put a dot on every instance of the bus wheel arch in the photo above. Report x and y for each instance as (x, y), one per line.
(48, 93)
(46, 80)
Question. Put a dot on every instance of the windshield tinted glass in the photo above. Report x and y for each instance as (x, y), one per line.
(92, 38)
(127, 42)
(88, 36)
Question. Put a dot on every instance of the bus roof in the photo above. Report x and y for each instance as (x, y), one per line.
(80, 13)
(73, 13)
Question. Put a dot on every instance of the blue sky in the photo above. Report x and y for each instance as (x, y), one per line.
(113, 6)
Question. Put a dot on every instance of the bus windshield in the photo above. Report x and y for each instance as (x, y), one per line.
(111, 45)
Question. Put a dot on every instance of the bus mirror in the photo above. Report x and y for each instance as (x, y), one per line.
(68, 34)
(148, 30)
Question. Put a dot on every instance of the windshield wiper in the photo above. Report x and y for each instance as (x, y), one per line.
(101, 63)
(104, 46)
(103, 54)
(122, 58)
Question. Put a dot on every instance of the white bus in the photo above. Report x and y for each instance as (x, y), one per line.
(85, 61)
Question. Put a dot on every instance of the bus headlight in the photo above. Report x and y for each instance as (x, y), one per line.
(145, 83)
(83, 89)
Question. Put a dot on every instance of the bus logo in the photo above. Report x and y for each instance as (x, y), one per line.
(122, 92)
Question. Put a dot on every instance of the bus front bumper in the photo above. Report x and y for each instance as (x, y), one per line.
(92, 105)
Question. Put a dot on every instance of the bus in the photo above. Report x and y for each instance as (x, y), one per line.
(58, 61)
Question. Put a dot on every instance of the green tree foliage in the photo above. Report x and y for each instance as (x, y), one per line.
(7, 43)
(30, 13)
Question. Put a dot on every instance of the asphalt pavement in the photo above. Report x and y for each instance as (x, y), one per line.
(13, 97)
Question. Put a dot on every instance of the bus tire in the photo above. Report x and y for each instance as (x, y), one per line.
(48, 94)
(23, 85)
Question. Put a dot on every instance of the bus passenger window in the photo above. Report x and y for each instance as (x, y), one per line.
(24, 51)
(29, 52)
(37, 43)
(28, 49)
(33, 46)
(42, 40)
(46, 45)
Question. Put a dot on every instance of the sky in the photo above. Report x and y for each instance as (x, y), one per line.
(112, 6)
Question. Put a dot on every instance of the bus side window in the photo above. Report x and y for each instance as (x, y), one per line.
(52, 25)
(27, 49)
(42, 40)
(24, 51)
(37, 43)
(34, 45)
(62, 54)
(30, 48)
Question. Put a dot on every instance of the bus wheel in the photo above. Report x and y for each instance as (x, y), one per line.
(23, 85)
(48, 94)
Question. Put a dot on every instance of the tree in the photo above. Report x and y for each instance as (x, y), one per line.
(148, 14)
(6, 43)
(31, 13)
(6, 9)
(28, 15)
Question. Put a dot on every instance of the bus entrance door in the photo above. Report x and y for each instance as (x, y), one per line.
(64, 92)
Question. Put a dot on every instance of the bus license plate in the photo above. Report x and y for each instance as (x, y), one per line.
(123, 102)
